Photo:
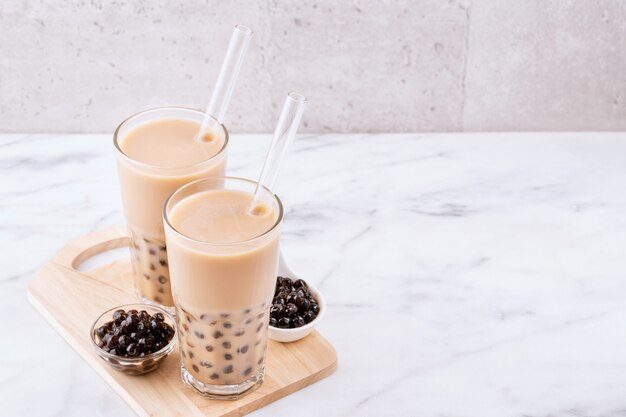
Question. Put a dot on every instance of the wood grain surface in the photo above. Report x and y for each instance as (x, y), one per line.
(71, 300)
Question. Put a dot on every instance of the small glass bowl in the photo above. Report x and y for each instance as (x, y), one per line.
(139, 365)
(291, 335)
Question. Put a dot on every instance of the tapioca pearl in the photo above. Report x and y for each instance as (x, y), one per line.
(308, 316)
(163, 262)
(298, 321)
(198, 334)
(243, 349)
(214, 376)
(260, 361)
(247, 311)
(248, 321)
(226, 345)
(228, 369)
(209, 348)
(217, 334)
(228, 356)
(195, 367)
(227, 325)
(185, 327)
(152, 267)
(260, 316)
(161, 290)
(190, 354)
(248, 371)
(259, 327)
(146, 276)
(205, 318)
(240, 332)
(188, 318)
(162, 279)
(224, 315)
(152, 251)
(158, 299)
(206, 364)
(290, 310)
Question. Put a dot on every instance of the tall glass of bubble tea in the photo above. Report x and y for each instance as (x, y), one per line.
(223, 237)
(160, 150)
(223, 264)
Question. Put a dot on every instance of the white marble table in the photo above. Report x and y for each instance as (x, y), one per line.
(470, 275)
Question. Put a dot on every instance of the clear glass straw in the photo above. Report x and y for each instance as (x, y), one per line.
(223, 90)
(286, 129)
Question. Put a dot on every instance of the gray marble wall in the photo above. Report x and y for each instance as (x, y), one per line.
(367, 65)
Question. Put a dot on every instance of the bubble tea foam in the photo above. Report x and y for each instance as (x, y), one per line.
(158, 151)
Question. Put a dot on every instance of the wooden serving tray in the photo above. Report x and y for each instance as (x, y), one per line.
(71, 300)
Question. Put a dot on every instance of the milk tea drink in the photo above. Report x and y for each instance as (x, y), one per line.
(223, 264)
(158, 152)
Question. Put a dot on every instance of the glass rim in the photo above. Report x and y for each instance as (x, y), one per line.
(241, 242)
(116, 138)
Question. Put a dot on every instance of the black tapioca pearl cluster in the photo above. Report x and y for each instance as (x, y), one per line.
(293, 305)
(134, 333)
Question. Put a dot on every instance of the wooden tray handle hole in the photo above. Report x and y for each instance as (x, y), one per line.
(101, 254)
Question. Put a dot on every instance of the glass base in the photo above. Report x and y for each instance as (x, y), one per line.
(223, 392)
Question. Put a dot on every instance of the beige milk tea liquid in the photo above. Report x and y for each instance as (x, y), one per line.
(160, 156)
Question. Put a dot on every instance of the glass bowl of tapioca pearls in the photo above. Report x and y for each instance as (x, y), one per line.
(134, 338)
(158, 151)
